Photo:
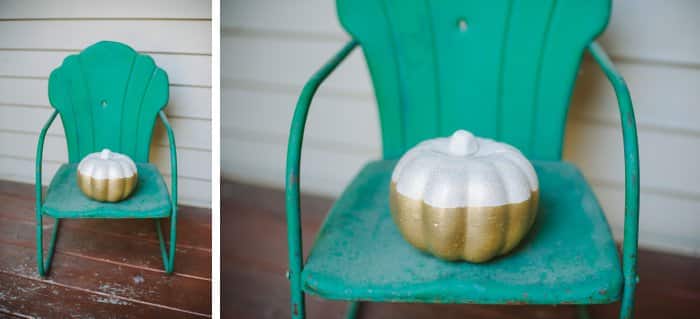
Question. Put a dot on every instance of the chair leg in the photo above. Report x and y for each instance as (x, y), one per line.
(298, 303)
(168, 254)
(44, 267)
(582, 312)
(353, 310)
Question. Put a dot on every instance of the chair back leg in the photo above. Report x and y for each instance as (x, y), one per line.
(168, 254)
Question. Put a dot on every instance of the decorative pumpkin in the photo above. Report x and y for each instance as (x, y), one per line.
(464, 197)
(107, 176)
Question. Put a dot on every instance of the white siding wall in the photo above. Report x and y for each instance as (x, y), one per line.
(35, 36)
(270, 48)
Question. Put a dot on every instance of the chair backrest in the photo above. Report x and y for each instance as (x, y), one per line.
(108, 96)
(499, 68)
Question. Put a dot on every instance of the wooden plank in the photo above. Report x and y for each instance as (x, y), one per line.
(174, 36)
(283, 66)
(183, 69)
(324, 172)
(190, 102)
(86, 284)
(193, 192)
(291, 63)
(308, 17)
(664, 98)
(598, 150)
(668, 29)
(106, 283)
(51, 298)
(666, 223)
(192, 133)
(177, 9)
(95, 245)
(596, 147)
(345, 123)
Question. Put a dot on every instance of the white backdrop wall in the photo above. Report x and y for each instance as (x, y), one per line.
(35, 36)
(270, 48)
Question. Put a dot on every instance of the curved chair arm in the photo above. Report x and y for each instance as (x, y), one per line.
(629, 134)
(39, 157)
(173, 160)
(296, 136)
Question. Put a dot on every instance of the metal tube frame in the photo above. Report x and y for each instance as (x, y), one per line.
(631, 158)
(43, 267)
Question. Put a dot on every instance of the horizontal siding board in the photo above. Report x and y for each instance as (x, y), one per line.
(323, 172)
(348, 122)
(350, 125)
(66, 9)
(189, 133)
(192, 192)
(182, 69)
(189, 102)
(192, 102)
(665, 222)
(667, 161)
(190, 37)
(664, 96)
(313, 16)
(292, 63)
(655, 30)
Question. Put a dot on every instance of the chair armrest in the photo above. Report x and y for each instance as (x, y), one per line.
(39, 157)
(173, 161)
(296, 136)
(629, 134)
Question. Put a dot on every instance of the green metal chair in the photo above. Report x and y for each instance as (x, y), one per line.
(108, 96)
(501, 69)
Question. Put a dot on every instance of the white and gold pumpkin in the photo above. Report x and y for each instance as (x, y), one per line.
(464, 197)
(107, 176)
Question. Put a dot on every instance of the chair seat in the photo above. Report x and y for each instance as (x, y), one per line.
(569, 255)
(150, 199)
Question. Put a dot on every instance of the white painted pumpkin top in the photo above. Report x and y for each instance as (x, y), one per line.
(107, 165)
(465, 171)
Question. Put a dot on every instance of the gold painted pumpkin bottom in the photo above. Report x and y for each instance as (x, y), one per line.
(474, 234)
(107, 190)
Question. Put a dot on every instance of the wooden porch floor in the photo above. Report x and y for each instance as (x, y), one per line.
(254, 261)
(102, 268)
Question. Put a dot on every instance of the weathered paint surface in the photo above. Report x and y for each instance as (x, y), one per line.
(108, 96)
(568, 257)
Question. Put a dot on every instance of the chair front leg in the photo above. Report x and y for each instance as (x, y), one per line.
(44, 267)
(168, 254)
(353, 310)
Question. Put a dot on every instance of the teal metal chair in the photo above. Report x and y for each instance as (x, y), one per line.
(501, 69)
(108, 96)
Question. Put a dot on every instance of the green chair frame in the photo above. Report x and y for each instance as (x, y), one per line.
(292, 179)
(155, 96)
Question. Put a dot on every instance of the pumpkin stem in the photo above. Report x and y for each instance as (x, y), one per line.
(105, 154)
(462, 143)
